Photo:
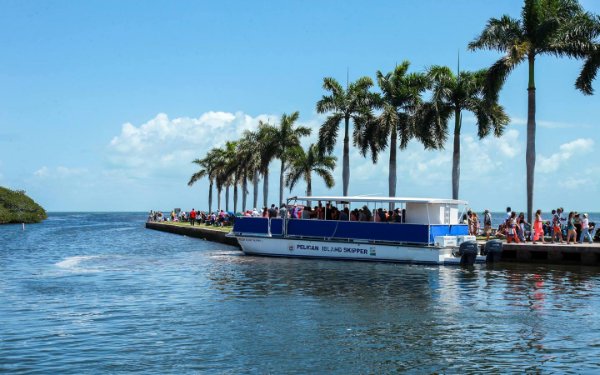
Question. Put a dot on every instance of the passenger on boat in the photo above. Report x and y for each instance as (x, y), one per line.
(367, 214)
(272, 212)
(343, 216)
(307, 213)
(283, 212)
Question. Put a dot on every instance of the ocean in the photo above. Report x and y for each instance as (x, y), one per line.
(99, 293)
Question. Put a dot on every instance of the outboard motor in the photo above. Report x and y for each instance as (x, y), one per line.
(493, 251)
(468, 253)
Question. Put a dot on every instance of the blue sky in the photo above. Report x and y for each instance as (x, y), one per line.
(103, 104)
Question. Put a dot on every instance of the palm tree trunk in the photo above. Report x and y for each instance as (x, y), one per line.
(244, 192)
(530, 151)
(309, 190)
(281, 182)
(227, 198)
(235, 196)
(210, 189)
(346, 157)
(266, 187)
(219, 198)
(392, 171)
(456, 154)
(255, 183)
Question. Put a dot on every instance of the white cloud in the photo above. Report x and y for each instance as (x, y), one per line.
(164, 144)
(565, 153)
(574, 183)
(42, 172)
(59, 172)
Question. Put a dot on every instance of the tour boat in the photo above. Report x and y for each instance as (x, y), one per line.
(429, 232)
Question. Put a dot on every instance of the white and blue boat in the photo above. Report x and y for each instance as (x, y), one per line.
(430, 233)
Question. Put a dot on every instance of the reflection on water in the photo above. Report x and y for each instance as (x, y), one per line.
(98, 290)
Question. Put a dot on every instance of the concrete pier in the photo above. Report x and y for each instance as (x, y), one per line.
(552, 253)
(197, 231)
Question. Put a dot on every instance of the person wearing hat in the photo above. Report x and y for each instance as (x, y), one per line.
(585, 229)
(487, 224)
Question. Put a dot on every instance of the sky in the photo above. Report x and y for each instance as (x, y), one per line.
(104, 104)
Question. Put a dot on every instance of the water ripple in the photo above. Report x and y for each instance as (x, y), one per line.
(99, 292)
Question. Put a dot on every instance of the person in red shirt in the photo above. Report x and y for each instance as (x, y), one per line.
(192, 216)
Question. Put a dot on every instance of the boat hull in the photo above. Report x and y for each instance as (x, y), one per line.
(308, 248)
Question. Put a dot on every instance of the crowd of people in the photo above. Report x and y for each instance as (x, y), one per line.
(329, 212)
(573, 228)
(218, 218)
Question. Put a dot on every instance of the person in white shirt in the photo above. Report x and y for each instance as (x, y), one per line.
(585, 229)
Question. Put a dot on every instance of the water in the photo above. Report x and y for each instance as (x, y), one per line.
(98, 293)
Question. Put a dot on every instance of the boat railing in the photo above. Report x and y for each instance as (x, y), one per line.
(348, 230)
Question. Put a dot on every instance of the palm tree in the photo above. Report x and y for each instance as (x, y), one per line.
(212, 167)
(451, 94)
(399, 101)
(284, 138)
(248, 160)
(303, 164)
(228, 172)
(559, 28)
(221, 178)
(350, 104)
(207, 169)
(266, 146)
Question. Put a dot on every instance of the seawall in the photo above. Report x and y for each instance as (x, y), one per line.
(198, 231)
(577, 254)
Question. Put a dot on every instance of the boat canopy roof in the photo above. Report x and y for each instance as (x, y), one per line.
(373, 199)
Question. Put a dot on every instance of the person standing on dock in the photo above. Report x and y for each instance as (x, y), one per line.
(508, 213)
(192, 217)
(538, 227)
(511, 229)
(521, 226)
(556, 228)
(585, 229)
(571, 233)
(487, 224)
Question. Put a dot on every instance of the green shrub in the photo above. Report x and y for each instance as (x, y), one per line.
(17, 207)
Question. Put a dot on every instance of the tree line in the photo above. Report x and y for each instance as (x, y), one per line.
(398, 112)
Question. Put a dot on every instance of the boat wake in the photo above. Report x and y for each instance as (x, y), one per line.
(77, 263)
